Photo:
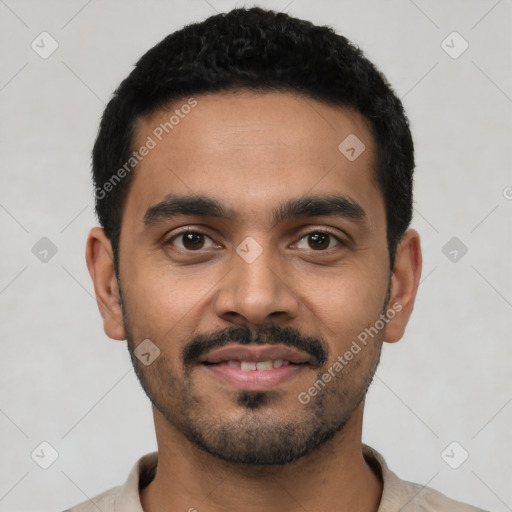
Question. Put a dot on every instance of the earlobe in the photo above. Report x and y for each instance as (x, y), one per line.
(404, 284)
(100, 263)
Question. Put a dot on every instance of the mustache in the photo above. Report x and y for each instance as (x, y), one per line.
(243, 335)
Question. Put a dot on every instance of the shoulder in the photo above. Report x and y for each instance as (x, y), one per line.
(106, 502)
(124, 498)
(426, 499)
(404, 496)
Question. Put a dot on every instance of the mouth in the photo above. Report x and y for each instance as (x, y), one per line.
(255, 367)
(248, 366)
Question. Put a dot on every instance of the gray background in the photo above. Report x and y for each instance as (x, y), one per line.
(64, 382)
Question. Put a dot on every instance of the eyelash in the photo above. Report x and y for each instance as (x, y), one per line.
(324, 231)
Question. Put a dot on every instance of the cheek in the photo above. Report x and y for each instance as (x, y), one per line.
(166, 303)
(159, 290)
(344, 304)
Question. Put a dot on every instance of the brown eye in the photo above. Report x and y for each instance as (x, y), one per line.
(319, 241)
(193, 241)
(190, 240)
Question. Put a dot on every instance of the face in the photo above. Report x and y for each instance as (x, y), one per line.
(253, 256)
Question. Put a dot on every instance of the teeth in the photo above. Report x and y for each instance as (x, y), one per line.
(260, 365)
(264, 365)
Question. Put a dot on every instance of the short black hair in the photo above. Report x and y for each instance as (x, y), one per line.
(260, 50)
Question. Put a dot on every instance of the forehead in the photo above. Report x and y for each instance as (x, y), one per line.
(252, 150)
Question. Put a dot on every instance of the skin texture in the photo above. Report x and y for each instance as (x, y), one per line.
(252, 152)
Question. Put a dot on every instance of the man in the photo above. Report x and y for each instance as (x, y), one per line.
(253, 180)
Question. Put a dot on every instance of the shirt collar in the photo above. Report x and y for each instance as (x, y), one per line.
(145, 469)
(140, 476)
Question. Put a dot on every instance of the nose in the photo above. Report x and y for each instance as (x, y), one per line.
(257, 292)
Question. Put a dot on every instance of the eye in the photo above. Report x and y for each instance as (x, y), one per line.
(193, 241)
(319, 240)
(190, 240)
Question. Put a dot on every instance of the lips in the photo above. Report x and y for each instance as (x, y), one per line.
(256, 354)
(248, 366)
(255, 367)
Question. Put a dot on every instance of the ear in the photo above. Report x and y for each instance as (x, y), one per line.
(100, 262)
(404, 284)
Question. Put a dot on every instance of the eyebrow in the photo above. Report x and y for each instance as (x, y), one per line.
(174, 205)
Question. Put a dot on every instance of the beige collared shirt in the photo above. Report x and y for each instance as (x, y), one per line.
(397, 495)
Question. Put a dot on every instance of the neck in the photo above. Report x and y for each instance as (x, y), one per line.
(333, 477)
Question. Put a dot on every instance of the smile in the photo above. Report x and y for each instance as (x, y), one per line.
(255, 367)
(247, 366)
